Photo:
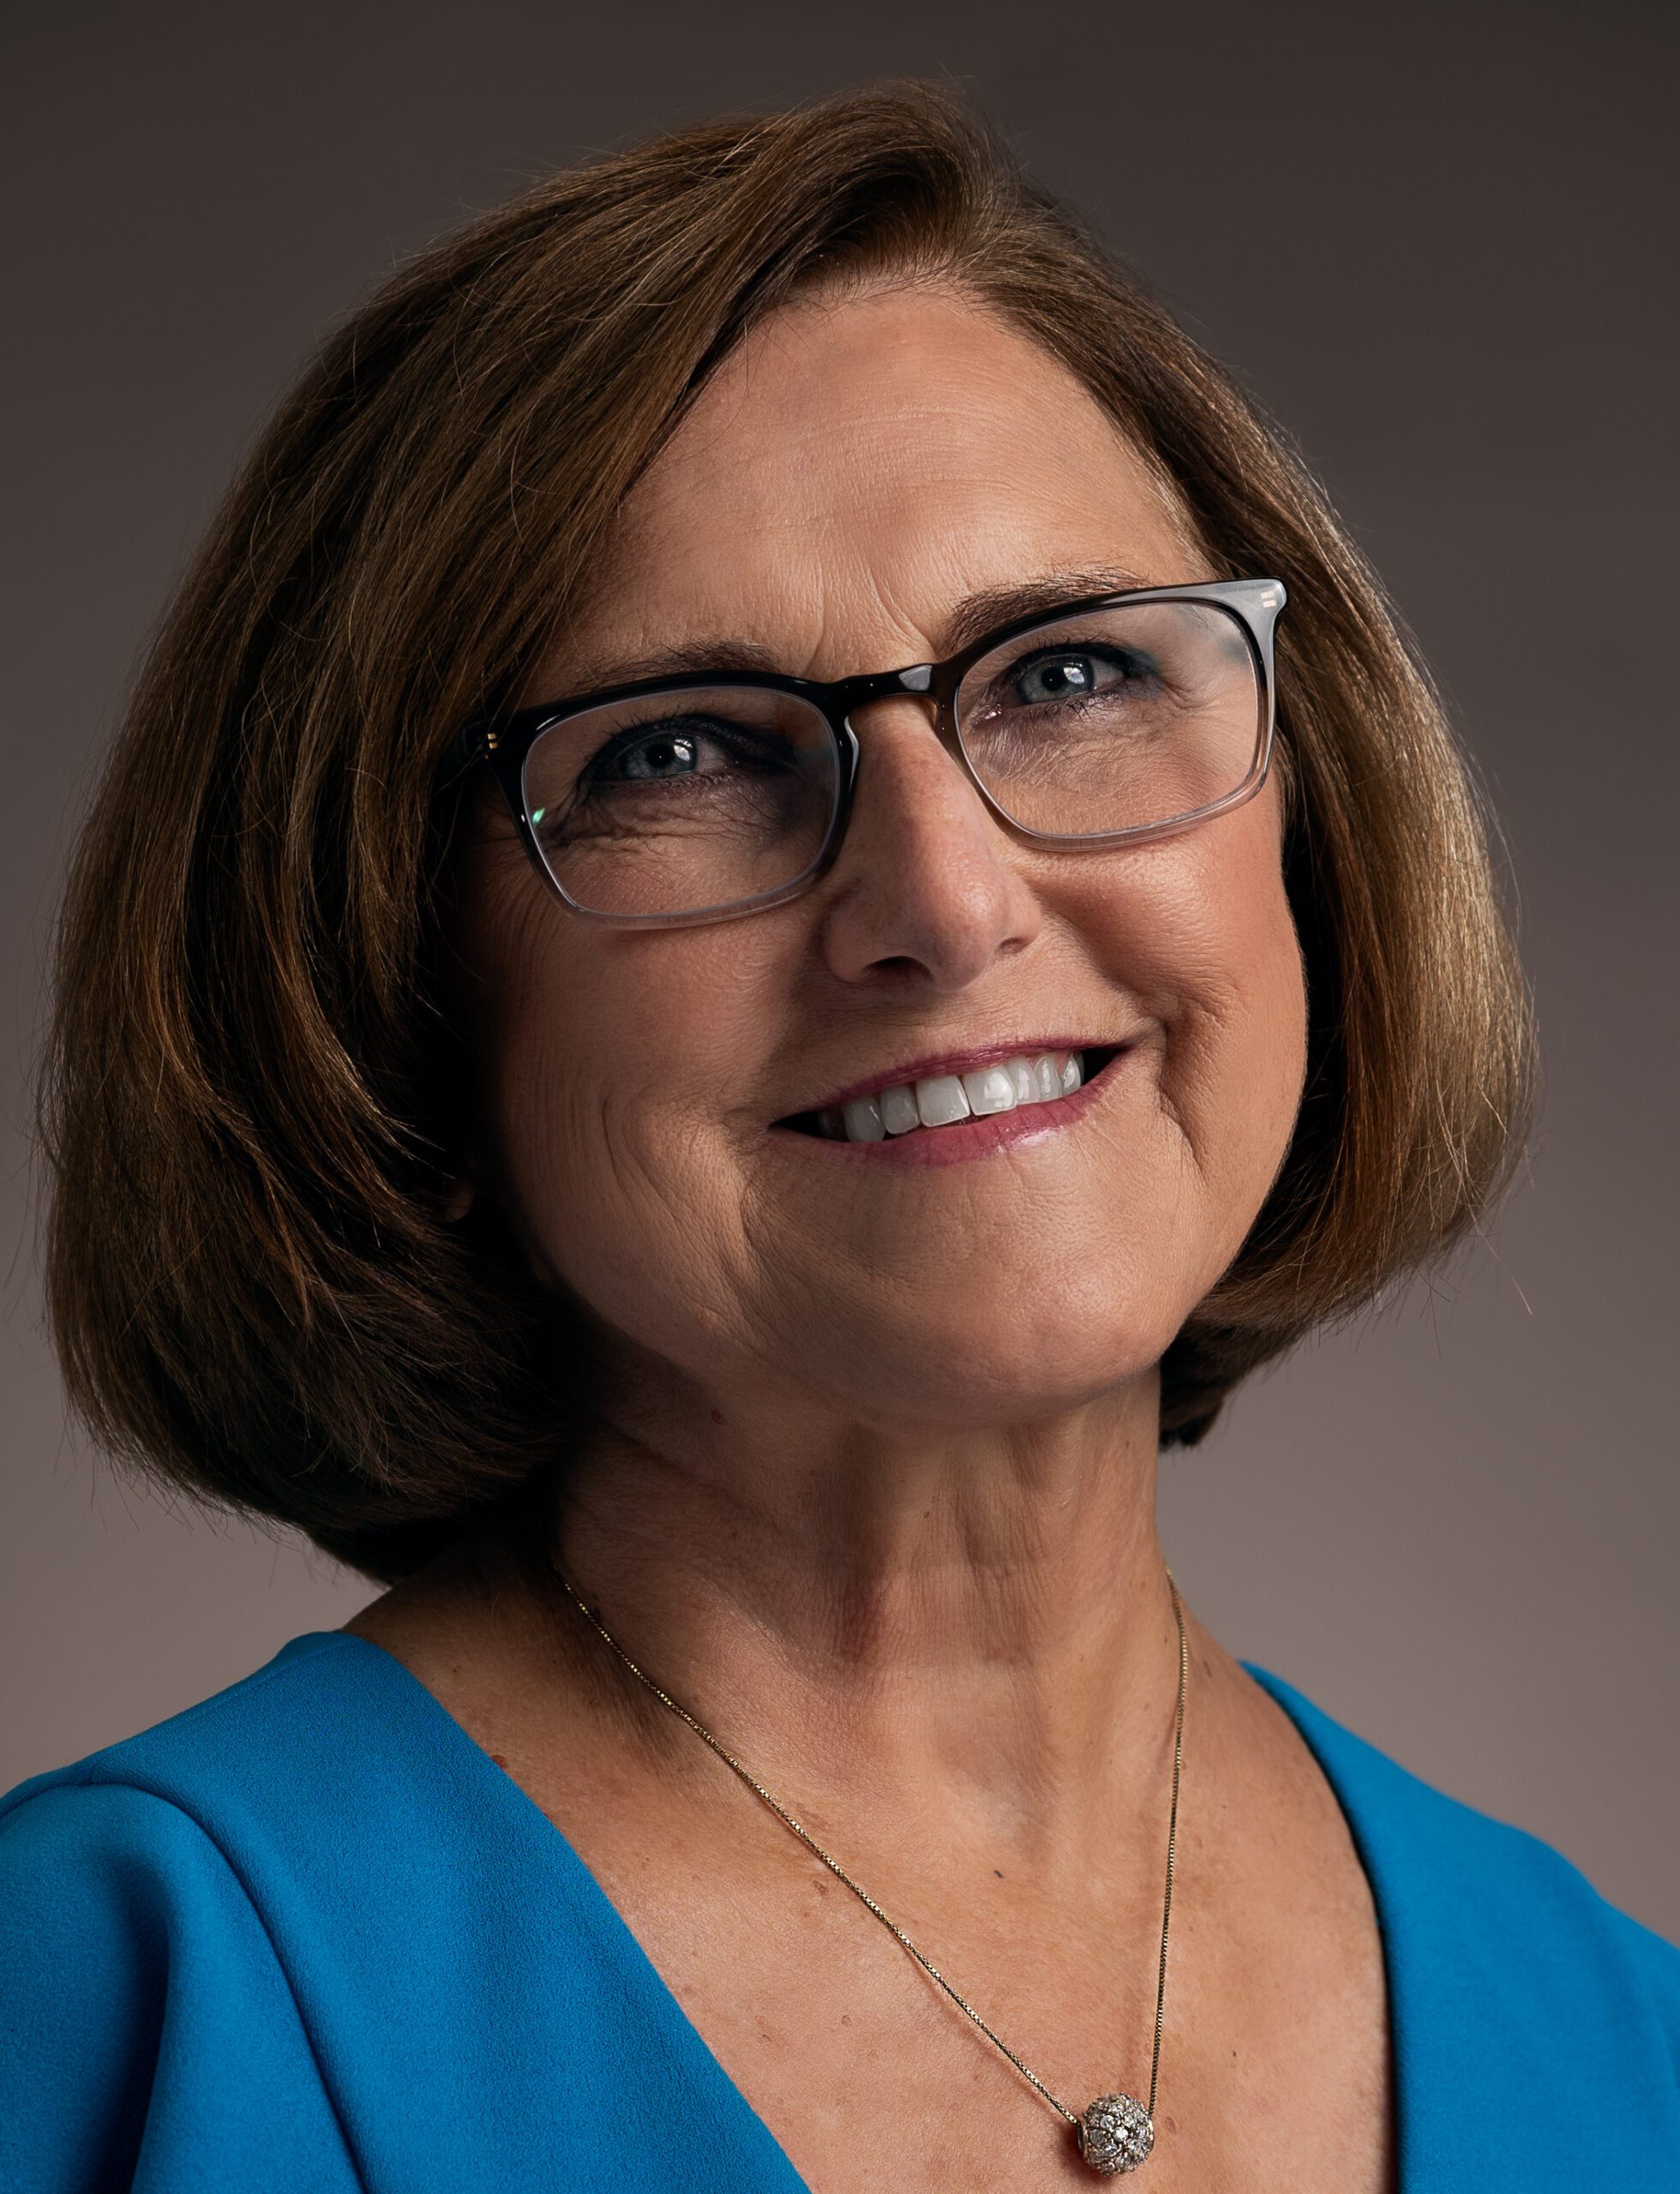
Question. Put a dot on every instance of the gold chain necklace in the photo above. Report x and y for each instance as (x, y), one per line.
(1116, 2132)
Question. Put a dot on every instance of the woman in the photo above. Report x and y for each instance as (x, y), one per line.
(776, 897)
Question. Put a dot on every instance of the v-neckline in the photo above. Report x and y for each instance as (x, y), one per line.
(1334, 1749)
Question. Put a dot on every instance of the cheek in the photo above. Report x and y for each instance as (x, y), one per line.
(539, 1091)
(1238, 1067)
(608, 1157)
(1203, 938)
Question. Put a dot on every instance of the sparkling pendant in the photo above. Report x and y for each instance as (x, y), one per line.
(1115, 2135)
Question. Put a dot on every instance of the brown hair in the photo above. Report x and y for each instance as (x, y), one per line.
(251, 1091)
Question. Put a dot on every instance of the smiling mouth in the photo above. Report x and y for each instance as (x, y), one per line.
(939, 1101)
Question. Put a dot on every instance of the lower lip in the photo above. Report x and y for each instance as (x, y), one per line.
(970, 1138)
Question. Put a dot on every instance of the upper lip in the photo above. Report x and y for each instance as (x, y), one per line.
(963, 1062)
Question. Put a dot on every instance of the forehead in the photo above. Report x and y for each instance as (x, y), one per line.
(854, 473)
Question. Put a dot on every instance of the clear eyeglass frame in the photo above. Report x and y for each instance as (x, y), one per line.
(502, 742)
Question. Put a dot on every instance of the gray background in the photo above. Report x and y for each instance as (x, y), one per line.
(1434, 241)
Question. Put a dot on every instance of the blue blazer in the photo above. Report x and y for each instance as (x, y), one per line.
(308, 1938)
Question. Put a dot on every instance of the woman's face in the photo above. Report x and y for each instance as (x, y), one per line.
(855, 474)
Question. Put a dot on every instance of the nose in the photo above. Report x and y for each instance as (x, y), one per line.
(927, 886)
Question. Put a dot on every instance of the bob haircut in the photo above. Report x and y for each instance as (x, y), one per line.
(253, 1095)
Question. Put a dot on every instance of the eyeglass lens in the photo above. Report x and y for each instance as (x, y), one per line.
(1118, 719)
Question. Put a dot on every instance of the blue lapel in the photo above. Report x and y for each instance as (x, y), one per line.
(1535, 2026)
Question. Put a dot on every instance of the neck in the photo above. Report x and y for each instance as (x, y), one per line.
(976, 1622)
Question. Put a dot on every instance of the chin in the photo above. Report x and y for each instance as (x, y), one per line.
(964, 1373)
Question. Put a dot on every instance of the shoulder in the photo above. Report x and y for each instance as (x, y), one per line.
(1509, 1969)
(197, 1819)
(1433, 1846)
(248, 1768)
(277, 1703)
(134, 1955)
(146, 1800)
(318, 1940)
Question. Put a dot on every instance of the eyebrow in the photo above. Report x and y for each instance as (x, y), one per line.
(993, 607)
(975, 616)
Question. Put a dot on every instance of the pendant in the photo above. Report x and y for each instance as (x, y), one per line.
(1115, 2135)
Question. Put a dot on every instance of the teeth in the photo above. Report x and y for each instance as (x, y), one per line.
(989, 1089)
(898, 1109)
(863, 1121)
(941, 1100)
(1038, 1078)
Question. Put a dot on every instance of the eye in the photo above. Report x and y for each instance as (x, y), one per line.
(656, 752)
(667, 754)
(1071, 674)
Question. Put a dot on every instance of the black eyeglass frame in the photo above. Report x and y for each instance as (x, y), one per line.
(502, 742)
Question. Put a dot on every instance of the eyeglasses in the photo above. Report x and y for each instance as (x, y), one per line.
(1103, 723)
